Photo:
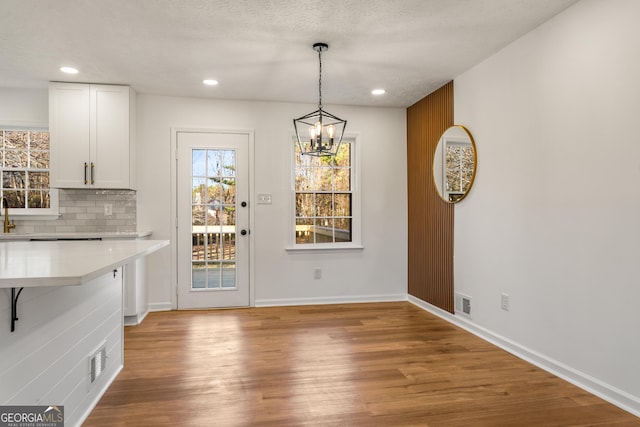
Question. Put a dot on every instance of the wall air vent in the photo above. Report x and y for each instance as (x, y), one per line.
(97, 363)
(463, 304)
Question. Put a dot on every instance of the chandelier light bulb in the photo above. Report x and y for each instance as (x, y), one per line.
(331, 131)
(312, 132)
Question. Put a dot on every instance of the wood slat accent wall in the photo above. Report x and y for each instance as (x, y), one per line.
(430, 219)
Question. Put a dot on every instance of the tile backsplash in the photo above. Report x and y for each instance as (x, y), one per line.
(84, 211)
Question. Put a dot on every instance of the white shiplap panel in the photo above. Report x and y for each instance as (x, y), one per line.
(59, 322)
(46, 360)
(83, 397)
(37, 308)
(66, 352)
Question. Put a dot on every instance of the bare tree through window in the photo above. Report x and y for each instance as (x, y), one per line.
(323, 197)
(24, 164)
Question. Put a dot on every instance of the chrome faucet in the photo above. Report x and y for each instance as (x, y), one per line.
(7, 225)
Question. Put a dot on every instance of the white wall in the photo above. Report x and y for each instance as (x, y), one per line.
(24, 107)
(281, 277)
(553, 219)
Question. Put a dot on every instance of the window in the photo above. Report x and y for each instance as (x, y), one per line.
(24, 165)
(326, 203)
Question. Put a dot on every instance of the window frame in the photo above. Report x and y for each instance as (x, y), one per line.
(53, 211)
(356, 209)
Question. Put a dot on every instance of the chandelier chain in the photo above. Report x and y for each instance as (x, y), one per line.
(320, 80)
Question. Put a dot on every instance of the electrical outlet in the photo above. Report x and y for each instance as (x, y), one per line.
(317, 273)
(108, 209)
(505, 302)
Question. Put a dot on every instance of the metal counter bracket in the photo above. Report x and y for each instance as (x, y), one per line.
(14, 307)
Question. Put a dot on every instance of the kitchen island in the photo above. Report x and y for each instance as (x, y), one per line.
(135, 296)
(67, 346)
(66, 263)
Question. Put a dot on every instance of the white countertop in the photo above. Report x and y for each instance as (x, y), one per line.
(71, 236)
(61, 263)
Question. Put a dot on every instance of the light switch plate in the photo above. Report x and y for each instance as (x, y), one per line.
(264, 199)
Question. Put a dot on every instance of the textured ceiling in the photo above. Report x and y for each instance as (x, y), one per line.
(261, 49)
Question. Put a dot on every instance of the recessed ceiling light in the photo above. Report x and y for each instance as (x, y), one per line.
(210, 82)
(378, 92)
(69, 70)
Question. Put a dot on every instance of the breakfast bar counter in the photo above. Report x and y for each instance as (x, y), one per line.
(64, 263)
(68, 345)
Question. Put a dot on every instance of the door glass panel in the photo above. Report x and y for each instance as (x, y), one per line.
(198, 167)
(213, 220)
(228, 191)
(197, 216)
(229, 275)
(199, 191)
(213, 247)
(213, 214)
(214, 277)
(228, 246)
(198, 275)
(228, 162)
(197, 245)
(213, 162)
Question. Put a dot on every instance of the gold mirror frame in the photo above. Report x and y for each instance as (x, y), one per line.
(455, 161)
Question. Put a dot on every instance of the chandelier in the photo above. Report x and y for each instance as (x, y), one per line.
(325, 130)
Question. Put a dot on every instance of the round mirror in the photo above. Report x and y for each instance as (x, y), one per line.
(454, 164)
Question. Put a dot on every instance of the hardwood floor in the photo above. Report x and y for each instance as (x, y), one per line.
(380, 364)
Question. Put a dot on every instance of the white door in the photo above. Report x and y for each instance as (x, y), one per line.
(213, 219)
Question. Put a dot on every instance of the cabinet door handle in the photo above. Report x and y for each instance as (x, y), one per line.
(93, 166)
(85, 173)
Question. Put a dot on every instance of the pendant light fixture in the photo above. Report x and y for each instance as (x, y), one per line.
(319, 133)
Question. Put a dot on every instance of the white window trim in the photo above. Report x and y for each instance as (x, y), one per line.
(37, 214)
(50, 213)
(356, 205)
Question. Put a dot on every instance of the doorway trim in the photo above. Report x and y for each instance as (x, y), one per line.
(174, 205)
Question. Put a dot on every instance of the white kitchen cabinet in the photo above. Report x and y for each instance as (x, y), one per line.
(135, 306)
(92, 131)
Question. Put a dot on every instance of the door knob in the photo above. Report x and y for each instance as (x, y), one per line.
(243, 232)
(243, 204)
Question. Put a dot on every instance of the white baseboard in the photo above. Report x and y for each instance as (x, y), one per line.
(586, 382)
(160, 306)
(330, 300)
(135, 320)
(95, 401)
